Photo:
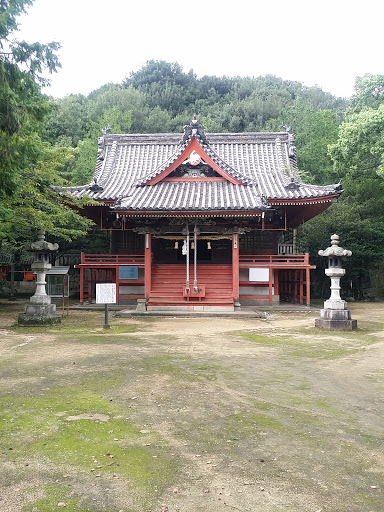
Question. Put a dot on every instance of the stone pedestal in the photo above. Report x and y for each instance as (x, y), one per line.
(39, 314)
(141, 305)
(336, 320)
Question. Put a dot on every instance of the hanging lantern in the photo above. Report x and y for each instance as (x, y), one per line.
(184, 248)
(192, 245)
(176, 246)
(209, 245)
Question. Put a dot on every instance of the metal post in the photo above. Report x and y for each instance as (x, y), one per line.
(106, 325)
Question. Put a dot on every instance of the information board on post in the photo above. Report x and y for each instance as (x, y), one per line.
(105, 293)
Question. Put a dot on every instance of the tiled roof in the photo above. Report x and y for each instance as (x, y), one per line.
(265, 164)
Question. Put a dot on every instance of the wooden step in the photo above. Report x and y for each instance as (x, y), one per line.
(168, 282)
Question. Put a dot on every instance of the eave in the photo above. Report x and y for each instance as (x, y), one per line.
(216, 213)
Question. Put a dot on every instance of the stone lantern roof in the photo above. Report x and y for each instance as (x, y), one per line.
(334, 250)
(41, 245)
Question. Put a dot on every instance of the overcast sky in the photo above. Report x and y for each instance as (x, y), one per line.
(325, 43)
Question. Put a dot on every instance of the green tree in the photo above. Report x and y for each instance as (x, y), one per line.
(87, 148)
(22, 106)
(67, 122)
(314, 131)
(358, 217)
(35, 204)
(28, 166)
(360, 146)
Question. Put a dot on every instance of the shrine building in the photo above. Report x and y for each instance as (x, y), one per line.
(200, 221)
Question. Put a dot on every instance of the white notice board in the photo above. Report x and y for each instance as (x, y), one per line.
(260, 275)
(106, 293)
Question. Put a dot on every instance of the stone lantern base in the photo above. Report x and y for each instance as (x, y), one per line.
(336, 320)
(39, 314)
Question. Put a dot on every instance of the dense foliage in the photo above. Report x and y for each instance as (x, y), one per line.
(28, 165)
(358, 156)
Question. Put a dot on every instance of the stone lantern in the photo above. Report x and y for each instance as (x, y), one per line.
(40, 311)
(335, 316)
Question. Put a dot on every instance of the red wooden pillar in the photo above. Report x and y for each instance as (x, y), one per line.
(270, 285)
(235, 265)
(276, 282)
(290, 284)
(81, 285)
(308, 287)
(147, 264)
(90, 285)
(117, 285)
(301, 286)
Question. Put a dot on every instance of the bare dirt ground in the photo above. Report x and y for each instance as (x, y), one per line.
(187, 414)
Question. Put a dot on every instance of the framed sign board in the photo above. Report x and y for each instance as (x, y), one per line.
(128, 272)
(260, 275)
(105, 293)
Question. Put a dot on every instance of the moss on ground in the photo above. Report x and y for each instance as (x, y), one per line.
(53, 496)
(78, 429)
(84, 322)
(299, 346)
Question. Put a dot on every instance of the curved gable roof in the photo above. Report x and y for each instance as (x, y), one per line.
(257, 167)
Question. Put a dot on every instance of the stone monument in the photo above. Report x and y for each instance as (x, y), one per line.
(335, 316)
(40, 311)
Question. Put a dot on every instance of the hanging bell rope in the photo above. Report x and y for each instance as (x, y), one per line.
(187, 289)
(195, 287)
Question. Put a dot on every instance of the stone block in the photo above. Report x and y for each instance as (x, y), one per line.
(141, 305)
(336, 325)
(336, 320)
(335, 304)
(37, 314)
(335, 314)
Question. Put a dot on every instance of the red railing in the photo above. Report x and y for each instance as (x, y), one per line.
(112, 259)
(274, 260)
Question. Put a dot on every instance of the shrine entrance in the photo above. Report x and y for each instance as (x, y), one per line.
(209, 251)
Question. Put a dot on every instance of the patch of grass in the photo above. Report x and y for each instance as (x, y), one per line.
(80, 323)
(65, 427)
(248, 421)
(168, 364)
(54, 494)
(323, 352)
(146, 319)
(109, 338)
(263, 406)
(371, 440)
(363, 332)
(317, 349)
(251, 336)
(181, 367)
(207, 371)
(368, 500)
